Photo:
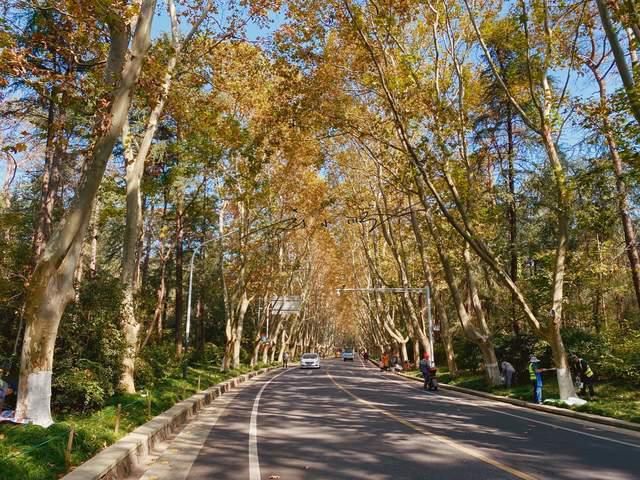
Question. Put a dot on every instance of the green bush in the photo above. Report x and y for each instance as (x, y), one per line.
(160, 358)
(144, 375)
(468, 355)
(81, 388)
(517, 349)
(619, 358)
(89, 331)
(211, 354)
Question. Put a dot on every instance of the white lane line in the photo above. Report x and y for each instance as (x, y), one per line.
(254, 459)
(528, 419)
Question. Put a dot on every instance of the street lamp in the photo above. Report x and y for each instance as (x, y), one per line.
(427, 293)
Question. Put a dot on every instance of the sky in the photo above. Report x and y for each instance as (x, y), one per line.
(161, 24)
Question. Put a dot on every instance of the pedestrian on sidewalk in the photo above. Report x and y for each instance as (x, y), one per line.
(584, 375)
(425, 369)
(508, 373)
(285, 360)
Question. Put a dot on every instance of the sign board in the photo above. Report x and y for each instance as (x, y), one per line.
(285, 305)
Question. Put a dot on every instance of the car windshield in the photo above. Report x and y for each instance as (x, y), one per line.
(348, 350)
(308, 356)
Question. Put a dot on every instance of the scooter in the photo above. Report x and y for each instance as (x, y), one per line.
(433, 381)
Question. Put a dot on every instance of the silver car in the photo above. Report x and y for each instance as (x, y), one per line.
(310, 360)
(348, 354)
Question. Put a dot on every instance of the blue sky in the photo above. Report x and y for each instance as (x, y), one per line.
(161, 24)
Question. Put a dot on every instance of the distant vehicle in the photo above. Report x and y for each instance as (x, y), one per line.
(348, 354)
(310, 360)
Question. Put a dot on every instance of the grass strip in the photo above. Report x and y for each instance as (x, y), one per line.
(29, 452)
(613, 399)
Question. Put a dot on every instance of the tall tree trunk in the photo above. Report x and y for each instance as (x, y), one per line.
(200, 319)
(51, 285)
(404, 354)
(416, 351)
(554, 337)
(447, 337)
(179, 333)
(513, 221)
(129, 267)
(54, 150)
(476, 333)
(237, 343)
(228, 309)
(95, 231)
(5, 197)
(283, 345)
(276, 336)
(156, 323)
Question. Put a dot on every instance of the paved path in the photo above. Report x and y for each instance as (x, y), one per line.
(350, 421)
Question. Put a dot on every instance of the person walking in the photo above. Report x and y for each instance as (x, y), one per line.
(507, 372)
(425, 369)
(285, 360)
(584, 375)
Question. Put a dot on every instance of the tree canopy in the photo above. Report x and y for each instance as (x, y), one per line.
(174, 168)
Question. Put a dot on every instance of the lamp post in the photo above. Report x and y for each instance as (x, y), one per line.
(427, 293)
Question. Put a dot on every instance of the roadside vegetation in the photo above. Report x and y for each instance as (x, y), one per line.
(613, 399)
(193, 190)
(34, 453)
(614, 361)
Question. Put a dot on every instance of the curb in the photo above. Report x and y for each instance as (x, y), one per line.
(590, 417)
(119, 459)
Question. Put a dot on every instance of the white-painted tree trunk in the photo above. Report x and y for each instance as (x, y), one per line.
(51, 287)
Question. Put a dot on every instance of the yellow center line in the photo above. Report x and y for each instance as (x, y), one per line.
(447, 441)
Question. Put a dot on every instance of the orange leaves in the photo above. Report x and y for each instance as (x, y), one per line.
(15, 148)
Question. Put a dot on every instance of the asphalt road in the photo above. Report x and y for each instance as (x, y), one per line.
(350, 421)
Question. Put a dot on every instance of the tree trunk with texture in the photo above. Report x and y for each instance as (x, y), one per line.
(447, 337)
(55, 148)
(51, 286)
(179, 334)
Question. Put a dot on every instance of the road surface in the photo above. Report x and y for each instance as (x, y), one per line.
(350, 421)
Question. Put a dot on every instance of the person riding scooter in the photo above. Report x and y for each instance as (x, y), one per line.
(429, 373)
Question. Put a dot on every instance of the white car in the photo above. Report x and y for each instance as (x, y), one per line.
(347, 354)
(310, 360)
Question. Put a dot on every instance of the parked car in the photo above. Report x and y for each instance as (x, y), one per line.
(310, 360)
(348, 354)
